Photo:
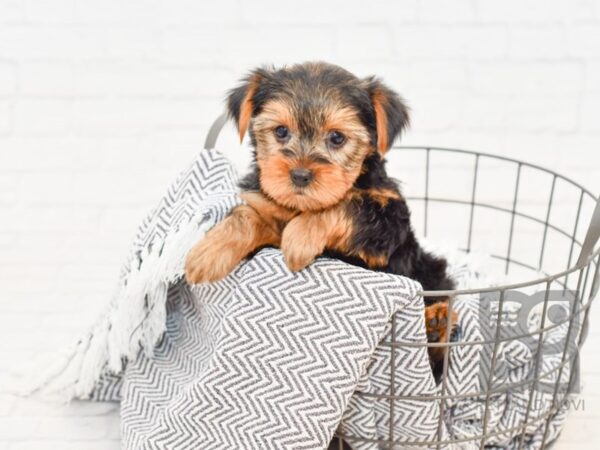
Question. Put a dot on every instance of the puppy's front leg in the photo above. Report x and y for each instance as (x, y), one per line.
(225, 245)
(309, 234)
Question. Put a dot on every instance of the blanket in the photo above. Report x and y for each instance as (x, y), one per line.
(267, 358)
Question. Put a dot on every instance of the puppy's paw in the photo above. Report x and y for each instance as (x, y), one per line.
(436, 322)
(211, 259)
(297, 258)
(298, 253)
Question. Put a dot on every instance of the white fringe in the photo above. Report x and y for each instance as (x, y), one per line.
(136, 317)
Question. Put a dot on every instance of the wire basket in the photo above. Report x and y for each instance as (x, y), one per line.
(532, 222)
(533, 226)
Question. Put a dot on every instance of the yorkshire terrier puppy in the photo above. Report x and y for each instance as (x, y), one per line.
(318, 185)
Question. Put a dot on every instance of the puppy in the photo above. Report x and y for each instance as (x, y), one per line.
(318, 185)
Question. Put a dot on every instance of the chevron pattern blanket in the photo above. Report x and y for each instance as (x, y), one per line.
(271, 359)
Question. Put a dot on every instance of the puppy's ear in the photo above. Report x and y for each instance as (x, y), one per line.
(240, 100)
(391, 113)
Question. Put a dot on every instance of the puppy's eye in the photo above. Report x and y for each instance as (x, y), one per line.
(282, 133)
(336, 139)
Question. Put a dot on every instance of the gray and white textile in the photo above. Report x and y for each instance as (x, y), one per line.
(269, 359)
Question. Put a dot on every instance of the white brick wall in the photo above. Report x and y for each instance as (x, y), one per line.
(102, 102)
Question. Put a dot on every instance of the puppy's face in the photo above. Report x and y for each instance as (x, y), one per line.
(312, 126)
(309, 160)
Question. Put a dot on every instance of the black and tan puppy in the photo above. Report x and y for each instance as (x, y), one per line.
(318, 185)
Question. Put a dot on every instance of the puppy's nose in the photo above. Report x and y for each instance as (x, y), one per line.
(301, 177)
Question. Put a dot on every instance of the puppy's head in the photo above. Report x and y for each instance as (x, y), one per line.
(312, 125)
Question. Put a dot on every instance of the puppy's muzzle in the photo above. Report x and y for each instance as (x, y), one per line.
(301, 177)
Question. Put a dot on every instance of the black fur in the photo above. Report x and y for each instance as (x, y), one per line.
(386, 230)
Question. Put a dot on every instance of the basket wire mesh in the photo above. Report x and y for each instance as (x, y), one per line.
(582, 276)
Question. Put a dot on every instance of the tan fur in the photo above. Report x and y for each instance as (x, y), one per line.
(345, 119)
(334, 170)
(440, 312)
(382, 196)
(302, 237)
(274, 113)
(225, 245)
(267, 209)
(308, 235)
(381, 121)
(246, 108)
(329, 187)
(373, 261)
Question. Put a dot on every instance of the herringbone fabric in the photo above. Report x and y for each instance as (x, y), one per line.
(269, 359)
(263, 359)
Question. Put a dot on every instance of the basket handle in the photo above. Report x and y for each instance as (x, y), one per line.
(591, 237)
(215, 129)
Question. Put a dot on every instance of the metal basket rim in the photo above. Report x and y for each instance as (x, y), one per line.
(509, 286)
(493, 156)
